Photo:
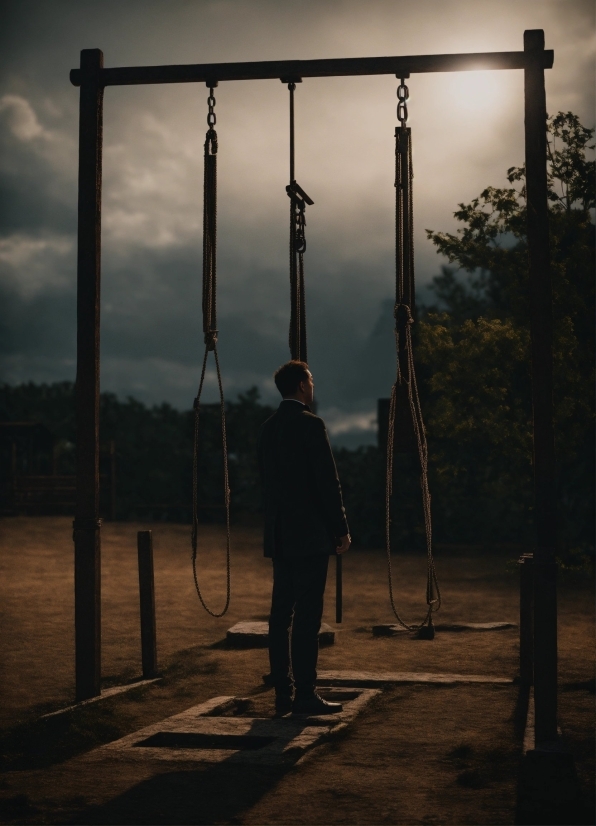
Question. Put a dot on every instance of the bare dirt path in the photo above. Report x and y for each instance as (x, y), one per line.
(420, 754)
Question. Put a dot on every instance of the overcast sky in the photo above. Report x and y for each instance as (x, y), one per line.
(467, 130)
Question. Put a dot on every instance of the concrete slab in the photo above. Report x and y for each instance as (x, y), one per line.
(392, 630)
(201, 734)
(371, 679)
(475, 626)
(108, 692)
(255, 634)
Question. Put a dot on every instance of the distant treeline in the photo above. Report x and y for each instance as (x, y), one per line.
(153, 447)
(480, 495)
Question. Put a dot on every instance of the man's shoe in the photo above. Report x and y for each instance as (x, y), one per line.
(283, 704)
(315, 705)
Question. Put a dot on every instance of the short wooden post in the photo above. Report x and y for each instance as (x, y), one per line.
(147, 601)
(338, 588)
(526, 619)
(112, 479)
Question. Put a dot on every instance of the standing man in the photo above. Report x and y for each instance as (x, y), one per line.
(305, 522)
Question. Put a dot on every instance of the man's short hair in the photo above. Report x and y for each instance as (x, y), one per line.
(289, 376)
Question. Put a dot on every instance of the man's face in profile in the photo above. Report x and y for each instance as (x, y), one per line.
(308, 388)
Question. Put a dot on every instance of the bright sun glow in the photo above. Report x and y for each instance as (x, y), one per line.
(477, 91)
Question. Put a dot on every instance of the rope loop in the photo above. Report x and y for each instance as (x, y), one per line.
(405, 369)
(210, 339)
(195, 485)
(402, 314)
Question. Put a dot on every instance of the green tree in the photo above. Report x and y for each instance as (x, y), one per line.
(474, 353)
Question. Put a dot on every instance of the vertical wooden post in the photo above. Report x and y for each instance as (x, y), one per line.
(112, 479)
(147, 601)
(338, 588)
(87, 524)
(526, 619)
(545, 596)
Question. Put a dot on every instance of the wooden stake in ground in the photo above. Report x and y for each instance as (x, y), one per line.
(147, 602)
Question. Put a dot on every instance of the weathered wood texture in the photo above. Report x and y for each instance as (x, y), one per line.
(526, 619)
(87, 523)
(271, 69)
(339, 597)
(541, 322)
(147, 603)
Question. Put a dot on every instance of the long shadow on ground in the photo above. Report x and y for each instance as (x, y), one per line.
(215, 794)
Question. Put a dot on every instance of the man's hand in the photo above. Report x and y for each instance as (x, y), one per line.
(344, 544)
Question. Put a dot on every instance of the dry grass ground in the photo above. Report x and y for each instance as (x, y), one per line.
(421, 754)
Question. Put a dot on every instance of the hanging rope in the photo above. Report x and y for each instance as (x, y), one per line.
(298, 201)
(405, 381)
(210, 335)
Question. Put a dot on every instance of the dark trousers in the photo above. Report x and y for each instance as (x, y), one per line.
(296, 604)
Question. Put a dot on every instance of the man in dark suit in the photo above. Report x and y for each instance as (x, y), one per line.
(305, 522)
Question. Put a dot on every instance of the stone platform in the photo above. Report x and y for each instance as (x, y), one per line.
(220, 730)
(255, 634)
(231, 729)
(374, 679)
(388, 630)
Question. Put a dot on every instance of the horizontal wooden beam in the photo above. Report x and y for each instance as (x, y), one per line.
(342, 67)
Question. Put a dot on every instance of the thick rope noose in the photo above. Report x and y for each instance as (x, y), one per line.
(298, 201)
(210, 334)
(405, 381)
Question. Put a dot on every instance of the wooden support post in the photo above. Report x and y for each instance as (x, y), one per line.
(87, 524)
(526, 619)
(147, 601)
(112, 479)
(545, 599)
(338, 588)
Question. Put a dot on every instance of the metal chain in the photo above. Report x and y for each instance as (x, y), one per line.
(211, 116)
(210, 336)
(405, 370)
(403, 94)
(210, 229)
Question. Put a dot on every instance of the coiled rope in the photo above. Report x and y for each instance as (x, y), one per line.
(405, 370)
(210, 337)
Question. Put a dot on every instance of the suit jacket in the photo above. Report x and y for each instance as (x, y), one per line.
(304, 512)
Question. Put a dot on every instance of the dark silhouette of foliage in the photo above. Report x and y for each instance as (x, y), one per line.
(474, 354)
(154, 447)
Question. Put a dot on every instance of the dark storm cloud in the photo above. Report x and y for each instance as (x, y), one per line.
(468, 131)
(42, 324)
(28, 202)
